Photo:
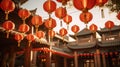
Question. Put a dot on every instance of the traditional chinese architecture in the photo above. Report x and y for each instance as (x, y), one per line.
(28, 40)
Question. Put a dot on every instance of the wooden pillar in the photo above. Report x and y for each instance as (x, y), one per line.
(34, 57)
(98, 58)
(48, 60)
(4, 59)
(104, 60)
(27, 56)
(95, 59)
(12, 56)
(65, 62)
(75, 58)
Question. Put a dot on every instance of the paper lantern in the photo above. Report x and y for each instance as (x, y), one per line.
(67, 19)
(30, 38)
(7, 6)
(8, 26)
(118, 15)
(63, 32)
(51, 33)
(64, 2)
(84, 5)
(50, 23)
(101, 3)
(24, 28)
(109, 24)
(24, 14)
(18, 37)
(40, 34)
(60, 13)
(93, 28)
(86, 17)
(49, 6)
(75, 29)
(36, 21)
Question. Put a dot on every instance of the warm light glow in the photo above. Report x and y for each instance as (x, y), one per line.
(96, 11)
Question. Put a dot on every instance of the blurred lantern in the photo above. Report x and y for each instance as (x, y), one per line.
(36, 21)
(50, 23)
(67, 19)
(106, 54)
(101, 3)
(64, 2)
(118, 15)
(109, 24)
(18, 37)
(93, 28)
(116, 53)
(49, 6)
(7, 6)
(51, 33)
(60, 13)
(84, 5)
(24, 28)
(24, 14)
(75, 30)
(86, 17)
(8, 26)
(40, 34)
(30, 38)
(63, 32)
(111, 53)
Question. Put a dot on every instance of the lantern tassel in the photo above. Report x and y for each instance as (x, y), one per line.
(19, 43)
(6, 17)
(67, 27)
(23, 21)
(7, 34)
(60, 23)
(36, 27)
(86, 26)
(49, 15)
(102, 13)
(29, 42)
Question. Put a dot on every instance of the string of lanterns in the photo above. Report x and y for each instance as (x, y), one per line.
(49, 6)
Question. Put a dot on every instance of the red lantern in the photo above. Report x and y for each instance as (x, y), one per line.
(7, 6)
(93, 28)
(63, 32)
(86, 17)
(19, 37)
(50, 23)
(118, 15)
(8, 26)
(30, 38)
(64, 2)
(24, 14)
(84, 5)
(49, 6)
(51, 33)
(40, 34)
(24, 28)
(67, 19)
(60, 13)
(100, 3)
(36, 21)
(75, 28)
(109, 24)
